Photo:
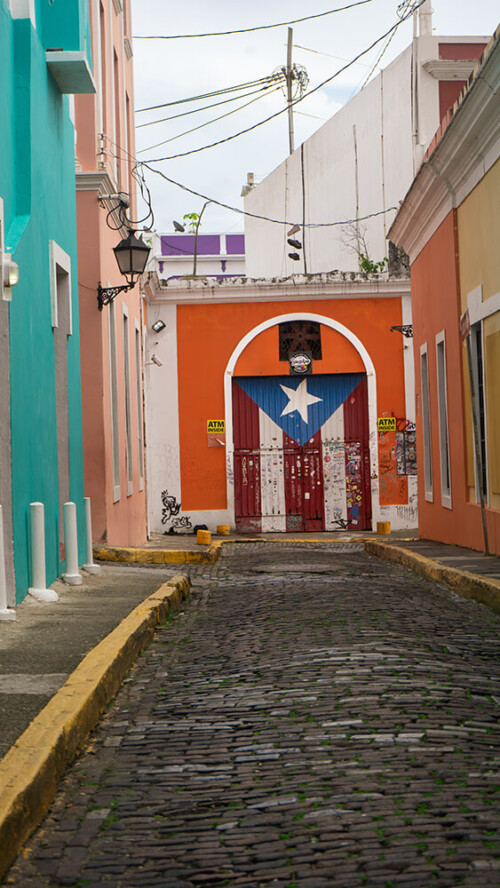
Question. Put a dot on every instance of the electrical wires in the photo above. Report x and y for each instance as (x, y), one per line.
(269, 80)
(288, 222)
(266, 85)
(405, 10)
(207, 122)
(205, 107)
(306, 18)
(119, 210)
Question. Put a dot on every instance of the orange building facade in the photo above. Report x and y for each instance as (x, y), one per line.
(111, 339)
(280, 406)
(449, 224)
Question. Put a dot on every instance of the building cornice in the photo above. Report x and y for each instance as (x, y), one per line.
(101, 182)
(94, 180)
(450, 69)
(466, 149)
(292, 289)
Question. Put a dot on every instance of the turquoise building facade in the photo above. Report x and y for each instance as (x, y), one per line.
(44, 59)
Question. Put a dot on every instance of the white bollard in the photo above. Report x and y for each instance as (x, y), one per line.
(37, 529)
(90, 567)
(72, 576)
(6, 613)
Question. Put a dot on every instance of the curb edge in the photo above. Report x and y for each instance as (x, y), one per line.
(462, 582)
(144, 555)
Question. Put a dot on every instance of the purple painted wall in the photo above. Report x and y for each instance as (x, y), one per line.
(208, 244)
(235, 244)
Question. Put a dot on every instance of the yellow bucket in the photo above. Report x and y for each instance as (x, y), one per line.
(383, 527)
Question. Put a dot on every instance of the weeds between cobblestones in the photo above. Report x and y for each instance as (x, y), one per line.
(314, 718)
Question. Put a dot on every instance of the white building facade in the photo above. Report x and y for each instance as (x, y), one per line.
(359, 165)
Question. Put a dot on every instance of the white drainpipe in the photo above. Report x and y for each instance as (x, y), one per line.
(90, 567)
(6, 613)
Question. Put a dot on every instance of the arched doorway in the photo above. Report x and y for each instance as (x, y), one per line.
(299, 448)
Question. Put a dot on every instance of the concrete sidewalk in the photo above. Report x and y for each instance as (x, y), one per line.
(61, 663)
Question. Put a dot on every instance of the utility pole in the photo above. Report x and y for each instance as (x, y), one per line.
(289, 78)
(198, 223)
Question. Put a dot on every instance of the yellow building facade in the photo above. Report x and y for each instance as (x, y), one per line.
(479, 250)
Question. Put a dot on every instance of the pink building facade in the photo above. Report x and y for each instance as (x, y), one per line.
(111, 339)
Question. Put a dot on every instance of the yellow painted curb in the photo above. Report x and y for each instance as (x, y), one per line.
(467, 584)
(156, 556)
(32, 768)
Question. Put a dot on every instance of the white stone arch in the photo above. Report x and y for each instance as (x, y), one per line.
(372, 398)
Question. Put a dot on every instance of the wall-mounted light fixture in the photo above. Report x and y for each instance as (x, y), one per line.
(158, 326)
(10, 276)
(405, 329)
(131, 255)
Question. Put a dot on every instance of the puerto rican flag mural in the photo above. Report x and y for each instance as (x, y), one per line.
(301, 457)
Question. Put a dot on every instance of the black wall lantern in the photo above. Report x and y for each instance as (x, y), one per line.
(131, 255)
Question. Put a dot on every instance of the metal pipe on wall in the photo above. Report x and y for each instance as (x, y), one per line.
(6, 613)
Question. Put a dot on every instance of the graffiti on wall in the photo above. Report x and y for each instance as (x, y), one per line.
(353, 481)
(397, 461)
(170, 514)
(406, 450)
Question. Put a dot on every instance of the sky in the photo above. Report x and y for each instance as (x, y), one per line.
(173, 70)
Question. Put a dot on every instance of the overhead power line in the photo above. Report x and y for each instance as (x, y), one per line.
(305, 18)
(205, 107)
(269, 79)
(207, 122)
(225, 206)
(403, 17)
(145, 165)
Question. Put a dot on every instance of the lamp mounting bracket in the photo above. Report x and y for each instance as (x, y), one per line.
(405, 329)
(105, 295)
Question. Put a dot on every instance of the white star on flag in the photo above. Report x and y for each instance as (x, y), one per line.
(299, 400)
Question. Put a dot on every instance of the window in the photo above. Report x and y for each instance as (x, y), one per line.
(128, 417)
(113, 396)
(103, 72)
(60, 294)
(426, 423)
(299, 336)
(444, 447)
(478, 376)
(140, 439)
(118, 132)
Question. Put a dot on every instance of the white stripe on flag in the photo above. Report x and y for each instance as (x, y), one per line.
(272, 475)
(332, 437)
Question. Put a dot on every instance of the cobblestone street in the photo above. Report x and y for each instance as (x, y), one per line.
(315, 717)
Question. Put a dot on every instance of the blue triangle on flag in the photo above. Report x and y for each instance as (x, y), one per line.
(300, 405)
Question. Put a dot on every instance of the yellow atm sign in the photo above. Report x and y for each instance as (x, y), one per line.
(216, 426)
(386, 424)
